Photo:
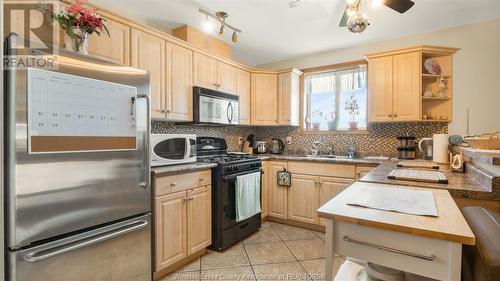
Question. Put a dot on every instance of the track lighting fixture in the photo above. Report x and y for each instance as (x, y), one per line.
(221, 18)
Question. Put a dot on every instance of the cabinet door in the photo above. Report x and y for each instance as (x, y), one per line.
(284, 101)
(302, 198)
(264, 190)
(148, 53)
(170, 229)
(243, 91)
(199, 219)
(115, 47)
(204, 71)
(329, 187)
(227, 75)
(277, 205)
(406, 93)
(179, 83)
(264, 97)
(380, 89)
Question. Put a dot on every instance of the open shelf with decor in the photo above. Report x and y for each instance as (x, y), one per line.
(437, 83)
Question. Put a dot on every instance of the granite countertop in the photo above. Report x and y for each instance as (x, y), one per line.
(355, 161)
(189, 167)
(459, 185)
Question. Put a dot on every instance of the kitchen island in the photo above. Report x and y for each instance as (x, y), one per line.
(426, 246)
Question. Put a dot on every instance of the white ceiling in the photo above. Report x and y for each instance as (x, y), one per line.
(273, 32)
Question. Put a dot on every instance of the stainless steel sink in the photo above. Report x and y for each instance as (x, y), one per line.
(331, 156)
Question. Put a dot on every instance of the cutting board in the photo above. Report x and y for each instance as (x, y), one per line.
(418, 164)
(418, 175)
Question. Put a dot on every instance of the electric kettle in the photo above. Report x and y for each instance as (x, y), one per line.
(277, 146)
(425, 145)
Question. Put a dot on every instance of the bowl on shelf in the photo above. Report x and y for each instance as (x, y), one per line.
(432, 66)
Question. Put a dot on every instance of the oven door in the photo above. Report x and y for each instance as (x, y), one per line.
(228, 202)
(173, 150)
(217, 110)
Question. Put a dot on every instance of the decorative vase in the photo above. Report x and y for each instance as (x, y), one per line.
(316, 126)
(331, 125)
(77, 41)
(353, 125)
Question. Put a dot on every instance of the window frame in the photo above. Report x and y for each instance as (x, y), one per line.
(328, 68)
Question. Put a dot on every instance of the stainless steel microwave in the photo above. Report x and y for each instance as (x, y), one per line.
(214, 107)
(171, 149)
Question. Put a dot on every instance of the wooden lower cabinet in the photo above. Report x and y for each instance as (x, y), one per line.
(264, 190)
(183, 224)
(199, 219)
(328, 188)
(302, 198)
(277, 205)
(170, 228)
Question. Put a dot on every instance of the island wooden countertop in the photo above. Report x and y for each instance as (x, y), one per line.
(450, 225)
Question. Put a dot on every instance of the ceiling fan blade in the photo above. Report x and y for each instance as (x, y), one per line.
(400, 6)
(343, 20)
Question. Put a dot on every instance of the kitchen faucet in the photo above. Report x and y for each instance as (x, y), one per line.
(315, 148)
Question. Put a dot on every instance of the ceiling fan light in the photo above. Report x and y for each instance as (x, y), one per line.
(351, 10)
(234, 38)
(221, 30)
(357, 23)
(377, 3)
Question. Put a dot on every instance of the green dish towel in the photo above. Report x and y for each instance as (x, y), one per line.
(247, 196)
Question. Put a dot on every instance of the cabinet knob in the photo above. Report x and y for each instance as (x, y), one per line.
(389, 115)
(190, 198)
(163, 111)
(395, 115)
(185, 199)
(202, 179)
(172, 184)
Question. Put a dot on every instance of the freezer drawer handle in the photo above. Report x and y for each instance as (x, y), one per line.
(64, 248)
(397, 251)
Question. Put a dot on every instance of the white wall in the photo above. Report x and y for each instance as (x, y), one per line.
(476, 69)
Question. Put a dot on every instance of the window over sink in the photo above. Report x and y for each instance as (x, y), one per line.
(335, 99)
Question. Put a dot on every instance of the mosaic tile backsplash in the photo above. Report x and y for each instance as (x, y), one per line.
(380, 140)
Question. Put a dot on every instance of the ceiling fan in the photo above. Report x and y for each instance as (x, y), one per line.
(357, 22)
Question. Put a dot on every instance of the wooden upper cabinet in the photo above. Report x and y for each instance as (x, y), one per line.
(170, 229)
(277, 195)
(179, 83)
(380, 89)
(243, 91)
(302, 198)
(289, 97)
(205, 71)
(148, 53)
(115, 47)
(406, 105)
(199, 219)
(264, 99)
(227, 78)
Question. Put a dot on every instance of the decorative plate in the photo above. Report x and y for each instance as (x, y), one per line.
(432, 66)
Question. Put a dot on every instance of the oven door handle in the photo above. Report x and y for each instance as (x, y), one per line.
(233, 176)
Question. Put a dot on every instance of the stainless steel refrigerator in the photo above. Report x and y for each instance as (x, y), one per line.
(77, 170)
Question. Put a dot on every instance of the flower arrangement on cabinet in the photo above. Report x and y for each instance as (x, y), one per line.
(78, 21)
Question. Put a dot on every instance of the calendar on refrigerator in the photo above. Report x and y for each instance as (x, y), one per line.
(68, 113)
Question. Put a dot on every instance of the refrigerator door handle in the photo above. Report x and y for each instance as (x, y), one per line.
(85, 242)
(147, 181)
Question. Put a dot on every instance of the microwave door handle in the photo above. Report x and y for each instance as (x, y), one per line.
(232, 112)
(227, 112)
(188, 149)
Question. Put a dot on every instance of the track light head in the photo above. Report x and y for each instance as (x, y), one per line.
(234, 37)
(221, 30)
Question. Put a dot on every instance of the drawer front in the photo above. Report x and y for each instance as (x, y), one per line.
(397, 250)
(322, 169)
(179, 182)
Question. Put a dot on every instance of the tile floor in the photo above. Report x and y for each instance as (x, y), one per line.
(275, 252)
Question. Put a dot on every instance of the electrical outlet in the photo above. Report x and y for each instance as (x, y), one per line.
(288, 140)
(240, 140)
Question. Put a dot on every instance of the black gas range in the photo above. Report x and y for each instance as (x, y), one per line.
(226, 231)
